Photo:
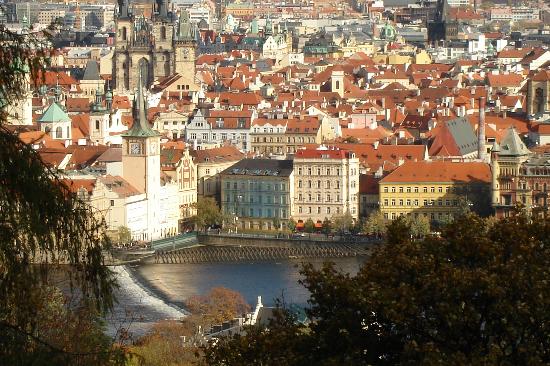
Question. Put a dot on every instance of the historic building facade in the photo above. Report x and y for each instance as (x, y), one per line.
(160, 46)
(258, 193)
(326, 184)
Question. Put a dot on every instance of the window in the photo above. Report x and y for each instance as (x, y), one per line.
(58, 133)
(425, 202)
(309, 184)
(227, 185)
(318, 209)
(205, 136)
(408, 202)
(386, 202)
(440, 189)
(328, 197)
(318, 171)
(299, 171)
(415, 189)
(112, 203)
(299, 209)
(416, 202)
(309, 209)
(328, 184)
(393, 189)
(447, 202)
(385, 189)
(328, 210)
(318, 197)
(309, 171)
(207, 171)
(299, 184)
(432, 189)
(337, 171)
(300, 197)
(408, 189)
(400, 202)
(318, 184)
(309, 197)
(393, 202)
(440, 202)
(400, 189)
(97, 125)
(425, 189)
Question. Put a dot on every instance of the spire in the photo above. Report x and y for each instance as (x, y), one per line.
(123, 11)
(140, 125)
(162, 8)
(186, 29)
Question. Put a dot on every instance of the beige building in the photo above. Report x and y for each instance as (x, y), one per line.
(267, 137)
(326, 184)
(210, 163)
(177, 163)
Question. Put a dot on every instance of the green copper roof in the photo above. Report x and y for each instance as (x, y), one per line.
(54, 113)
(140, 126)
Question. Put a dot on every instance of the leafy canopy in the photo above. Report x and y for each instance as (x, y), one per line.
(476, 295)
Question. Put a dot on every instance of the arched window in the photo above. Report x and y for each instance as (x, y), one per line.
(124, 33)
(163, 33)
(58, 133)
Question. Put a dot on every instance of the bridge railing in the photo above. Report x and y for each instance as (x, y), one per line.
(175, 242)
(300, 236)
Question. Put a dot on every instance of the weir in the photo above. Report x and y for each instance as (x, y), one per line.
(204, 248)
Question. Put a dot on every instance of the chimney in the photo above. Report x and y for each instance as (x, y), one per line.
(481, 130)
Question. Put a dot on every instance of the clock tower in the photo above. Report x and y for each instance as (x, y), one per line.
(185, 44)
(140, 149)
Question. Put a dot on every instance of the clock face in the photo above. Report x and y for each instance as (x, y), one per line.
(185, 53)
(135, 148)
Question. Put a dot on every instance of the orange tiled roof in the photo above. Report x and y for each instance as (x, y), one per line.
(440, 172)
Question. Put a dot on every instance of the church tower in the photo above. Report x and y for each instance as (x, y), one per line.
(123, 25)
(163, 31)
(140, 150)
(538, 94)
(185, 43)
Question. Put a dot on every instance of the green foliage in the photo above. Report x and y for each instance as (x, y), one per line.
(375, 224)
(208, 213)
(124, 234)
(43, 224)
(327, 226)
(276, 223)
(473, 296)
(291, 224)
(309, 226)
(343, 223)
(420, 226)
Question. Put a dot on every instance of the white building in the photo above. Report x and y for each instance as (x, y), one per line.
(326, 184)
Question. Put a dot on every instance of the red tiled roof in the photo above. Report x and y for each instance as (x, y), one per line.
(440, 172)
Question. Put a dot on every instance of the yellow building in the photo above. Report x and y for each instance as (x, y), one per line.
(434, 189)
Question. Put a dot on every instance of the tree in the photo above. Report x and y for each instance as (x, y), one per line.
(420, 225)
(291, 224)
(327, 226)
(309, 226)
(124, 234)
(42, 224)
(375, 224)
(208, 213)
(472, 296)
(218, 305)
(276, 223)
(343, 223)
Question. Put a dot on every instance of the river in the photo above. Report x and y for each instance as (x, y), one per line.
(150, 293)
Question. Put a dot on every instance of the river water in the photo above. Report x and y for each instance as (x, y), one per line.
(150, 293)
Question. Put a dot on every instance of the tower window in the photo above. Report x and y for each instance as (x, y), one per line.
(163, 33)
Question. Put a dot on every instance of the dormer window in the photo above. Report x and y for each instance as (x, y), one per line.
(241, 122)
(219, 122)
